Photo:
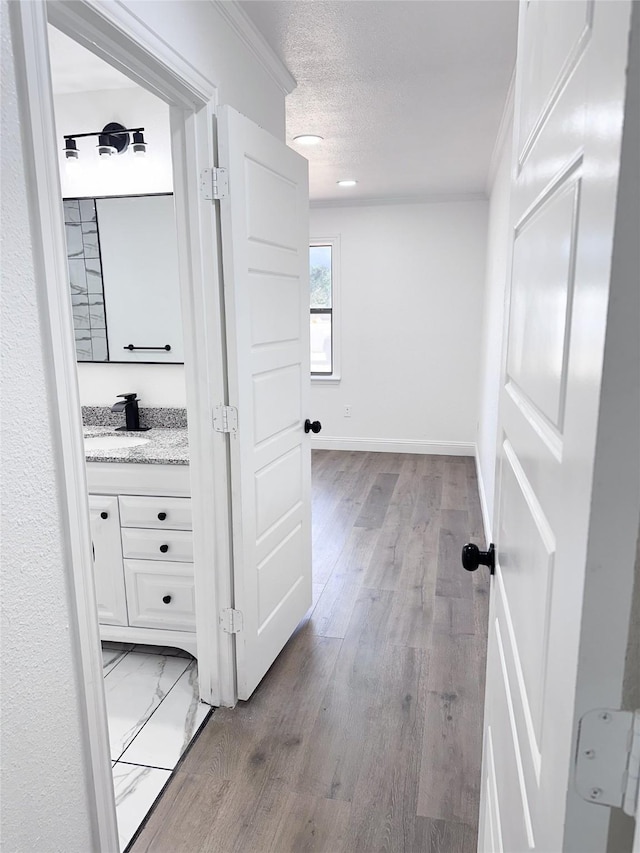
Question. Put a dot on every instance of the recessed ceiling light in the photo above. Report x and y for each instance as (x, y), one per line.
(308, 139)
(349, 183)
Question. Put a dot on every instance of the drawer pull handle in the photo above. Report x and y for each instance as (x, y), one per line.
(104, 515)
(164, 548)
(162, 516)
(166, 599)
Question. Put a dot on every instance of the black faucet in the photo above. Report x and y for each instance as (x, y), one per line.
(130, 408)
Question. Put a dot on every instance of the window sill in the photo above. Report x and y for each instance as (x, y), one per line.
(325, 380)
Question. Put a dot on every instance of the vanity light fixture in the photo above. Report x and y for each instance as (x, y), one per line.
(308, 139)
(114, 138)
(70, 148)
(347, 183)
(139, 145)
(105, 149)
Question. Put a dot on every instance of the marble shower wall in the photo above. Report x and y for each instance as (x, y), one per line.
(85, 279)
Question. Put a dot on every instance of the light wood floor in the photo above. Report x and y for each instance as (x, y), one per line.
(365, 735)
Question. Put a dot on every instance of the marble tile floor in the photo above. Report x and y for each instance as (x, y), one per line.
(154, 713)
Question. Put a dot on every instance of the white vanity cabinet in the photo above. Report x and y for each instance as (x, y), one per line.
(143, 553)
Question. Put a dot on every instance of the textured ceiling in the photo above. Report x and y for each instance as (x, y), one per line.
(408, 94)
(76, 69)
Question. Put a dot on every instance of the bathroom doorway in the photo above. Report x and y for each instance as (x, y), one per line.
(122, 257)
(191, 101)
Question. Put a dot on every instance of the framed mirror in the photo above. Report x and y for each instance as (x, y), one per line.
(123, 274)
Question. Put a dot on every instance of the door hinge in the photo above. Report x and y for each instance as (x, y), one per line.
(225, 419)
(608, 759)
(231, 621)
(214, 183)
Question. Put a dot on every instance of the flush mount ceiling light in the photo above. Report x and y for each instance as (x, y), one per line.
(347, 183)
(308, 139)
(114, 138)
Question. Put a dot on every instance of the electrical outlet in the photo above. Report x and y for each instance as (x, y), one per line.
(347, 411)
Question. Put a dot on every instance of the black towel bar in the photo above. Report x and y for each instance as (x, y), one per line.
(131, 347)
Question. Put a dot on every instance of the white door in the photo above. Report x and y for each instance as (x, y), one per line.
(570, 89)
(108, 567)
(265, 256)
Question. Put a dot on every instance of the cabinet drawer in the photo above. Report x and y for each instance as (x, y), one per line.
(161, 513)
(160, 595)
(172, 545)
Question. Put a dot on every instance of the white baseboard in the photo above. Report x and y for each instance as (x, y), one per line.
(486, 521)
(389, 445)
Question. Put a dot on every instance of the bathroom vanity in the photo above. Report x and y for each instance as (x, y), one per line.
(140, 508)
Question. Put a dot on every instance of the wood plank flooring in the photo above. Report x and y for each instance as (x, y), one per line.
(366, 733)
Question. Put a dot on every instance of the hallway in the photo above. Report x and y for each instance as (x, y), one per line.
(365, 735)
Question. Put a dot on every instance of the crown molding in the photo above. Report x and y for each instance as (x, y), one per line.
(501, 137)
(433, 198)
(255, 42)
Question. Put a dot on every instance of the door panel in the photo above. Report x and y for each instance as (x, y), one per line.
(281, 384)
(557, 36)
(490, 833)
(526, 557)
(516, 828)
(277, 491)
(265, 243)
(269, 326)
(541, 299)
(570, 84)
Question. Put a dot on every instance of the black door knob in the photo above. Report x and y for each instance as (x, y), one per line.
(314, 427)
(162, 516)
(166, 599)
(164, 548)
(472, 557)
(104, 515)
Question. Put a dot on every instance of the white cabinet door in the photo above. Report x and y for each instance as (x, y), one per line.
(107, 560)
(570, 89)
(265, 242)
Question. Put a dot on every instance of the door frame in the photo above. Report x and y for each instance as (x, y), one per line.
(116, 35)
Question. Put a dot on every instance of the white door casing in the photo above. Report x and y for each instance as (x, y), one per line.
(570, 87)
(265, 253)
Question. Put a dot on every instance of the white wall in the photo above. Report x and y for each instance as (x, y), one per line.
(155, 384)
(200, 32)
(126, 174)
(493, 325)
(412, 279)
(44, 760)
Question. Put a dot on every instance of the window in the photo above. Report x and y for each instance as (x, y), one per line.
(323, 258)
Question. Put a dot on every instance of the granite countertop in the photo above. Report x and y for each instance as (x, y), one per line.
(164, 447)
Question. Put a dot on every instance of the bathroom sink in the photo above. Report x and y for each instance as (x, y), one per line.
(113, 442)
